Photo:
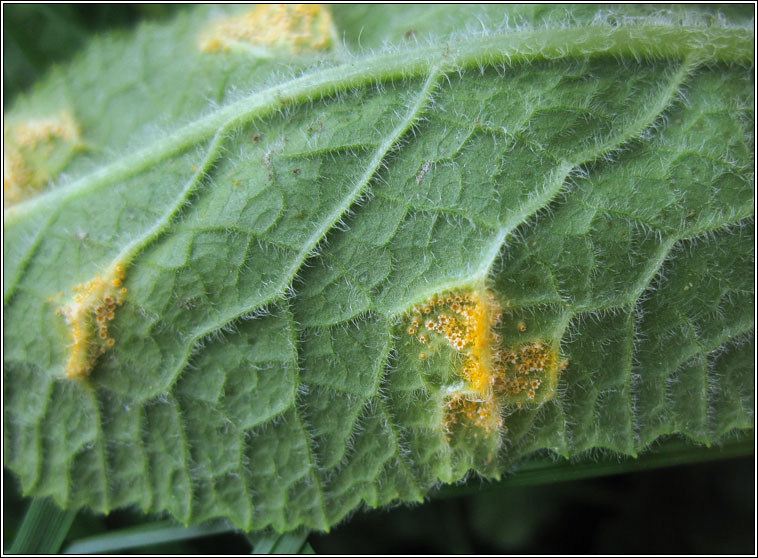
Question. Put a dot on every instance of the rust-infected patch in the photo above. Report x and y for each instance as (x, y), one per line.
(35, 150)
(492, 375)
(297, 28)
(88, 315)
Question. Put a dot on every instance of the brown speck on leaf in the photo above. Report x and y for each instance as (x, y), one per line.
(296, 171)
(410, 34)
(316, 128)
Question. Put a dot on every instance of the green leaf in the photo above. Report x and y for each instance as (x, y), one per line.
(579, 176)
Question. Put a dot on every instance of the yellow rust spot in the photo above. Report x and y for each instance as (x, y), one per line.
(483, 412)
(296, 27)
(35, 150)
(492, 374)
(87, 315)
(465, 321)
(529, 369)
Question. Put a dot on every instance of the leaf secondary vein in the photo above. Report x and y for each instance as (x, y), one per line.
(390, 143)
(628, 132)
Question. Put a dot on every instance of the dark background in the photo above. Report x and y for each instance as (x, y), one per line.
(706, 508)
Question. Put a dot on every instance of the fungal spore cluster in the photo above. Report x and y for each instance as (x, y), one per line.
(88, 315)
(493, 375)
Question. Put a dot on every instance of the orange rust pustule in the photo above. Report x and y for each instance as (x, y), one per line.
(35, 150)
(296, 27)
(492, 374)
(482, 412)
(465, 321)
(88, 315)
(527, 367)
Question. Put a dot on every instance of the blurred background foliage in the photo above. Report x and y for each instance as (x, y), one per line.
(36, 36)
(701, 508)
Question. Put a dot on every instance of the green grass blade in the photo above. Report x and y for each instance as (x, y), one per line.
(161, 532)
(262, 543)
(294, 542)
(44, 528)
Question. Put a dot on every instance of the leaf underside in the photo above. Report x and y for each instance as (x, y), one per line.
(277, 229)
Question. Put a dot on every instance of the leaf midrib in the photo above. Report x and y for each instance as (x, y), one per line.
(726, 44)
